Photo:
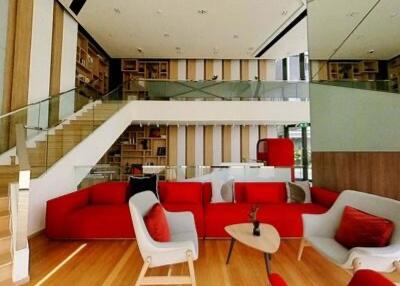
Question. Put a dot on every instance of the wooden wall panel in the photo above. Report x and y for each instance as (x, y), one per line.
(173, 69)
(22, 53)
(9, 57)
(209, 69)
(244, 69)
(226, 143)
(262, 69)
(56, 49)
(262, 131)
(190, 145)
(172, 145)
(371, 172)
(191, 70)
(208, 145)
(226, 69)
(245, 143)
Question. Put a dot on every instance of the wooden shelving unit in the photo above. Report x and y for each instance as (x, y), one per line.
(394, 74)
(142, 69)
(353, 70)
(146, 145)
(92, 67)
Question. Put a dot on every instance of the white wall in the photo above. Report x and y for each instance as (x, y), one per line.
(235, 143)
(40, 61)
(229, 112)
(199, 145)
(68, 64)
(253, 139)
(235, 69)
(217, 68)
(181, 69)
(199, 70)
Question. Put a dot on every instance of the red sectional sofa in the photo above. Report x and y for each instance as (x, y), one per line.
(102, 211)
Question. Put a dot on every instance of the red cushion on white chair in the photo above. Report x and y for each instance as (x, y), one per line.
(360, 229)
(157, 224)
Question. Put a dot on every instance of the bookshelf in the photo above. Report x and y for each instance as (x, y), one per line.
(92, 67)
(394, 74)
(141, 69)
(353, 70)
(139, 145)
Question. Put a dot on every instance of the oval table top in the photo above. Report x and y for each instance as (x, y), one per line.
(267, 242)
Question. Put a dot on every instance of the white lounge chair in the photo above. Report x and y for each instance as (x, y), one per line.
(319, 232)
(183, 246)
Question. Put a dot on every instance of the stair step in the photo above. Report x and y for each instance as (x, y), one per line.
(6, 271)
(4, 220)
(5, 242)
(5, 259)
(4, 201)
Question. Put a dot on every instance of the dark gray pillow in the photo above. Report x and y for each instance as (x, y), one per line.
(141, 184)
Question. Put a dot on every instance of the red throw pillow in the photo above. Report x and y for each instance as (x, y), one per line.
(157, 224)
(266, 193)
(360, 229)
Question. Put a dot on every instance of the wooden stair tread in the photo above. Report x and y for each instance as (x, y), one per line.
(4, 213)
(5, 259)
(5, 234)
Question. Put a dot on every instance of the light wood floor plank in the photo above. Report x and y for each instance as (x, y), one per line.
(117, 263)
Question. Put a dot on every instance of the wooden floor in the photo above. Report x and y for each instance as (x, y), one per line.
(118, 263)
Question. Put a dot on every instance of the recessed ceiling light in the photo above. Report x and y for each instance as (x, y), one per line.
(166, 35)
(352, 14)
(202, 12)
(393, 14)
(117, 11)
(139, 50)
(159, 11)
(371, 51)
(235, 36)
(284, 12)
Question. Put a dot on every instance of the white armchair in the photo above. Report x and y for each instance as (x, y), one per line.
(319, 232)
(183, 246)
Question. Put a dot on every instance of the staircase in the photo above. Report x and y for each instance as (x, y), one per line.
(46, 152)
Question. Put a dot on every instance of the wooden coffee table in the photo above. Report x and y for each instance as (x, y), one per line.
(268, 242)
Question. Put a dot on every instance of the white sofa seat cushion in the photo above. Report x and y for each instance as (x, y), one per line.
(330, 248)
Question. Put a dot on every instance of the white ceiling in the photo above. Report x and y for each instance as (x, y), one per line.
(330, 22)
(143, 23)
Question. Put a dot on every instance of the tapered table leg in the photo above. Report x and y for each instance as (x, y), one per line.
(230, 250)
(267, 258)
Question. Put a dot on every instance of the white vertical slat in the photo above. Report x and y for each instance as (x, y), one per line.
(217, 145)
(199, 70)
(271, 73)
(199, 145)
(272, 131)
(217, 69)
(235, 143)
(253, 139)
(253, 69)
(235, 69)
(181, 69)
(181, 148)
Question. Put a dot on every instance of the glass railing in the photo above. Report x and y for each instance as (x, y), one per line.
(148, 89)
(375, 85)
(42, 115)
(251, 172)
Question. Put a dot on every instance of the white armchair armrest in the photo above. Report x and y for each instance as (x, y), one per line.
(180, 222)
(318, 225)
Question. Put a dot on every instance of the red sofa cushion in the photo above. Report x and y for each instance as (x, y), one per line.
(323, 196)
(180, 192)
(276, 280)
(286, 218)
(108, 193)
(195, 209)
(366, 277)
(101, 221)
(360, 229)
(266, 193)
(157, 224)
(219, 215)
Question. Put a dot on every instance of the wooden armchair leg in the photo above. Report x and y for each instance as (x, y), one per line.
(397, 265)
(303, 244)
(189, 255)
(142, 273)
(356, 264)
